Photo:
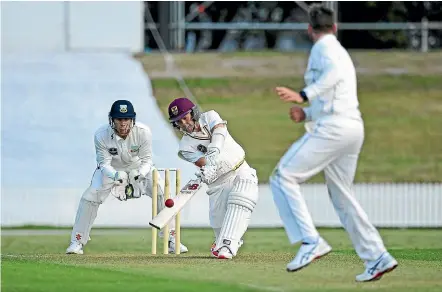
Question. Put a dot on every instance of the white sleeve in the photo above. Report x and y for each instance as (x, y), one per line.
(145, 152)
(213, 119)
(187, 152)
(329, 74)
(104, 158)
(308, 113)
(189, 156)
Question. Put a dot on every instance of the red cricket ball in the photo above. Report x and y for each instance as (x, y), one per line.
(169, 203)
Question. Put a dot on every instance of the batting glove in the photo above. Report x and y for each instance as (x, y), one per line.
(209, 174)
(211, 156)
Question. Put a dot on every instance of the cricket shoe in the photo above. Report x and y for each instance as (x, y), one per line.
(307, 253)
(75, 248)
(183, 248)
(224, 253)
(374, 270)
(214, 251)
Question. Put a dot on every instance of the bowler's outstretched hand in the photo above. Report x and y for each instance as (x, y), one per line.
(288, 95)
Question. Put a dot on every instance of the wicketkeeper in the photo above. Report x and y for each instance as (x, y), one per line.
(124, 157)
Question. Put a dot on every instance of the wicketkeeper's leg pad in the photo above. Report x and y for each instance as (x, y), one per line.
(86, 214)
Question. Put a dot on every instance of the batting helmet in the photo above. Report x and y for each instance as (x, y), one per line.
(181, 107)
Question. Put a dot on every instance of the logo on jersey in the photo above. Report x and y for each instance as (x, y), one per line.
(123, 108)
(202, 148)
(134, 149)
(113, 151)
(174, 110)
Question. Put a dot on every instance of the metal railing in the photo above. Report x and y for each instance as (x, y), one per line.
(424, 26)
(301, 26)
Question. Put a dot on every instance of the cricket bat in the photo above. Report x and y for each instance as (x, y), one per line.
(183, 197)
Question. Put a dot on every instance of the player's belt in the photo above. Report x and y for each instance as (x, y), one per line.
(222, 177)
(238, 165)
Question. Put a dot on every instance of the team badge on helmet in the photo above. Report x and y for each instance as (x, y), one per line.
(174, 110)
(123, 108)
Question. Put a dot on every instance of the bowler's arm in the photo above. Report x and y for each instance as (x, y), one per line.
(328, 78)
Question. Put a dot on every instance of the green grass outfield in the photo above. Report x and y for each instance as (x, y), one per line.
(403, 119)
(120, 260)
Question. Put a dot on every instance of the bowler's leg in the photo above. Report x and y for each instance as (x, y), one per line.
(364, 236)
(304, 159)
(339, 177)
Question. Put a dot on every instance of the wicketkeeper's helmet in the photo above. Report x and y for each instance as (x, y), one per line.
(121, 109)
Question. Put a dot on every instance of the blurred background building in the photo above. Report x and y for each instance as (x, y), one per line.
(196, 26)
(256, 25)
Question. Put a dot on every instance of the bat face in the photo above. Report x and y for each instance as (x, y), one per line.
(192, 186)
(185, 195)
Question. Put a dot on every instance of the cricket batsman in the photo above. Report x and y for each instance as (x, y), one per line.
(124, 157)
(335, 135)
(232, 183)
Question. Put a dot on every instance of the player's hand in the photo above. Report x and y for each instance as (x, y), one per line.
(134, 175)
(297, 114)
(138, 182)
(120, 185)
(211, 156)
(288, 95)
(120, 177)
(208, 174)
(199, 174)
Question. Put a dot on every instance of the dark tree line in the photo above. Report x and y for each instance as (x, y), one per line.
(374, 11)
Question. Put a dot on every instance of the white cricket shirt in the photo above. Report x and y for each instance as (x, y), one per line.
(331, 82)
(114, 153)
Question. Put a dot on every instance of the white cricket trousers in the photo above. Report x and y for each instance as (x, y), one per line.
(333, 146)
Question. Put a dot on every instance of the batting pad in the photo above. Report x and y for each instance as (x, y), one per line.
(236, 221)
(240, 205)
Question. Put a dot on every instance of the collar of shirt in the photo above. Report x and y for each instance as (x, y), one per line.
(325, 38)
(118, 138)
(115, 135)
